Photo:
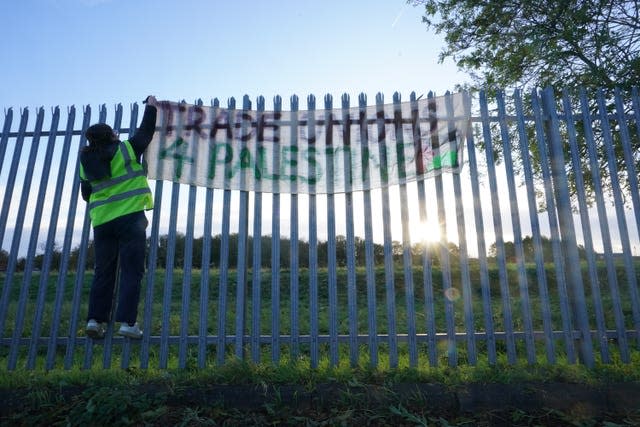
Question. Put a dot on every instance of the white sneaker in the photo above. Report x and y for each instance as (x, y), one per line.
(130, 331)
(95, 329)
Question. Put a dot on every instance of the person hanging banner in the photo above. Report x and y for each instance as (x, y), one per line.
(314, 151)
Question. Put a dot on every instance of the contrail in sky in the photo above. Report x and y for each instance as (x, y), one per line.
(395, 21)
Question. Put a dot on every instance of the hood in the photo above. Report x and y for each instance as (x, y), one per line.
(96, 160)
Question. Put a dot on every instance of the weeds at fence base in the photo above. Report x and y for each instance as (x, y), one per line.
(324, 404)
(243, 393)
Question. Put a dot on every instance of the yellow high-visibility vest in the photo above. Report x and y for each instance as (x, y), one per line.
(125, 192)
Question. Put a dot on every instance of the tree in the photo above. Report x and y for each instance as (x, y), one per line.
(563, 43)
(568, 44)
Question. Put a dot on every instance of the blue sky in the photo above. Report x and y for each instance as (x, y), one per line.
(92, 52)
(64, 52)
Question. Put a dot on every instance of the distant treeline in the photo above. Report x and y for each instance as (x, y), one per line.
(434, 252)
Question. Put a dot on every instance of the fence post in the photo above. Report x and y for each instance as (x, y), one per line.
(243, 239)
(567, 231)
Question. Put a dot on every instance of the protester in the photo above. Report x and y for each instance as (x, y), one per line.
(114, 183)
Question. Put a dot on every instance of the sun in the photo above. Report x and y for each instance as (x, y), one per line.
(429, 231)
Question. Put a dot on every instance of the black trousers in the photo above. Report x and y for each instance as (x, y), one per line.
(122, 240)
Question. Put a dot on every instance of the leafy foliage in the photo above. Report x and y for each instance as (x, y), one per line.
(565, 43)
(592, 45)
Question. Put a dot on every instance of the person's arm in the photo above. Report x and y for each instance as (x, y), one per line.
(85, 188)
(144, 134)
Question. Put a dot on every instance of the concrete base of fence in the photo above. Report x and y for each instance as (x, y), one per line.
(579, 400)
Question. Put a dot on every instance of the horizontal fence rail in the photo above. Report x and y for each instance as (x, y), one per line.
(530, 250)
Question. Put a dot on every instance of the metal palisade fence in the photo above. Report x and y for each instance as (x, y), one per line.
(442, 230)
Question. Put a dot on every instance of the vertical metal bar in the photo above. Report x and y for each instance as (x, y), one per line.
(168, 277)
(11, 176)
(108, 343)
(188, 254)
(205, 277)
(567, 230)
(627, 149)
(612, 278)
(8, 190)
(497, 225)
(256, 279)
(89, 343)
(351, 259)
(169, 265)
(535, 229)
(406, 238)
(15, 243)
(586, 229)
(243, 231)
(186, 279)
(462, 246)
(31, 251)
(368, 233)
(480, 238)
(49, 244)
(6, 204)
(224, 256)
(205, 268)
(313, 234)
(152, 263)
(224, 277)
(275, 243)
(4, 140)
(331, 232)
(386, 220)
(558, 261)
(632, 281)
(66, 247)
(126, 348)
(632, 178)
(635, 101)
(294, 250)
(517, 231)
(427, 281)
(82, 255)
(445, 264)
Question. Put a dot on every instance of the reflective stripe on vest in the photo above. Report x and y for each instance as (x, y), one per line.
(127, 190)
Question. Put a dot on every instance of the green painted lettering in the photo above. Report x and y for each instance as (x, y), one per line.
(177, 151)
(213, 158)
(289, 160)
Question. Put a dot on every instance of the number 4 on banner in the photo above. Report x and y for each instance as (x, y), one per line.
(177, 151)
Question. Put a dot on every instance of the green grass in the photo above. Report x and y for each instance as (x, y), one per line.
(154, 396)
(299, 372)
(191, 317)
(161, 397)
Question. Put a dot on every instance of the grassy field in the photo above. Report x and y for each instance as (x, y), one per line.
(179, 305)
(87, 394)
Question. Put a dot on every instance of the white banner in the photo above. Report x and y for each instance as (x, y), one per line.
(314, 151)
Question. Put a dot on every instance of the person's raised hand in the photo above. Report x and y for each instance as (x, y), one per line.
(151, 100)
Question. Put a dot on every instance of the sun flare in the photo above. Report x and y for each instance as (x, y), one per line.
(429, 231)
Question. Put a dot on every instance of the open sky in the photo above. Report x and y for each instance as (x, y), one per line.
(64, 52)
(92, 52)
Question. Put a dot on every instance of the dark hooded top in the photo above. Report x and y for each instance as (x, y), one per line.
(103, 144)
